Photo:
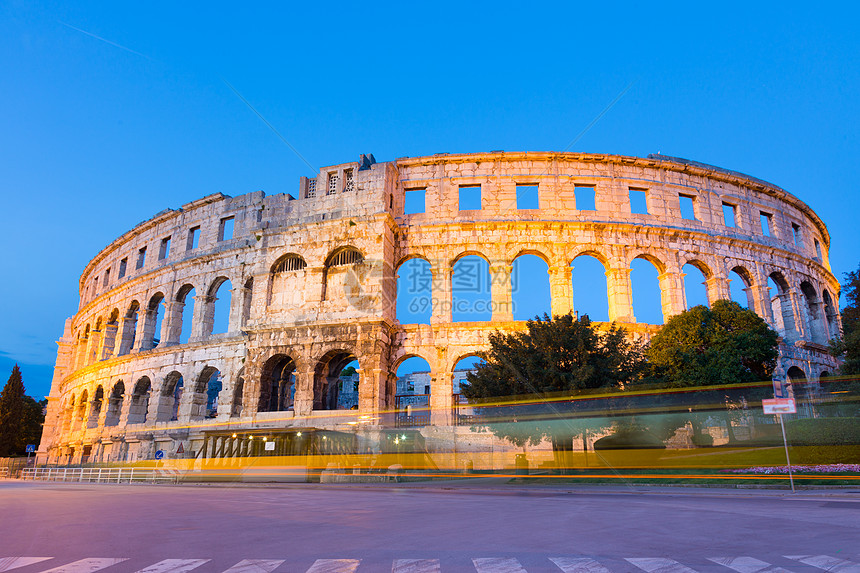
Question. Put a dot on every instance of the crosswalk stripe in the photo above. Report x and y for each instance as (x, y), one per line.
(578, 565)
(656, 565)
(498, 565)
(415, 566)
(334, 566)
(255, 566)
(86, 565)
(747, 565)
(9, 563)
(174, 566)
(827, 563)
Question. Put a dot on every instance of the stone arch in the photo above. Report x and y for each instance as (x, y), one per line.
(696, 275)
(277, 384)
(129, 327)
(740, 288)
(536, 298)
(139, 406)
(781, 304)
(96, 407)
(110, 335)
(471, 295)
(115, 402)
(287, 281)
(217, 310)
(81, 412)
(460, 367)
(170, 397)
(182, 315)
(238, 392)
(152, 322)
(339, 265)
(406, 374)
(830, 314)
(96, 341)
(589, 284)
(82, 347)
(247, 300)
(414, 300)
(799, 383)
(327, 386)
(68, 413)
(814, 319)
(646, 288)
(204, 398)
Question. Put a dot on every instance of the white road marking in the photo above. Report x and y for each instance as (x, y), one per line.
(827, 563)
(415, 566)
(747, 565)
(255, 566)
(334, 566)
(578, 565)
(498, 565)
(8, 563)
(655, 565)
(174, 566)
(86, 565)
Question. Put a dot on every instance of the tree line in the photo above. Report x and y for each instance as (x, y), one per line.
(21, 417)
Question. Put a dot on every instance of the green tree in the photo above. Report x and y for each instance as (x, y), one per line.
(848, 347)
(31, 424)
(11, 413)
(722, 345)
(558, 355)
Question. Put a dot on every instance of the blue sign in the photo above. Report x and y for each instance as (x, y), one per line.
(30, 448)
(159, 454)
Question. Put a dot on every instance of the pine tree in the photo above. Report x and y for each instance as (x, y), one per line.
(11, 413)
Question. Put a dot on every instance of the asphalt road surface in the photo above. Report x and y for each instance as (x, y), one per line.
(79, 528)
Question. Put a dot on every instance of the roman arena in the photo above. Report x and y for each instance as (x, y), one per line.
(307, 283)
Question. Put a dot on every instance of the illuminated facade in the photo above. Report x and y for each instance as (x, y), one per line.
(312, 284)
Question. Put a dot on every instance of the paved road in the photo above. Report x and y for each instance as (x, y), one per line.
(72, 528)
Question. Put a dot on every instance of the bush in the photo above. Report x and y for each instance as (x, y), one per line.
(702, 440)
(629, 440)
(823, 432)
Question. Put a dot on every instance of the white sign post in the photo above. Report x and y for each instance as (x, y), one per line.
(780, 406)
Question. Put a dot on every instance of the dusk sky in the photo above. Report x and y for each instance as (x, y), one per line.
(111, 114)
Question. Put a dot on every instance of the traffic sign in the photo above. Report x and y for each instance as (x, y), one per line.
(31, 448)
(159, 454)
(180, 449)
(779, 406)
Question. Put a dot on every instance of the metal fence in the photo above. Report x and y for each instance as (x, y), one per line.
(4, 473)
(101, 475)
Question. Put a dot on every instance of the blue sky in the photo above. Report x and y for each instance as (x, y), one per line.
(97, 135)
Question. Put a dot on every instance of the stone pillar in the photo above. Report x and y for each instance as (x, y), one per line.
(126, 406)
(758, 298)
(441, 400)
(561, 289)
(145, 328)
(303, 401)
(104, 411)
(109, 341)
(202, 320)
(718, 289)
(787, 305)
(171, 327)
(315, 278)
(126, 336)
(89, 349)
(372, 388)
(442, 296)
(672, 295)
(500, 289)
(234, 315)
(620, 295)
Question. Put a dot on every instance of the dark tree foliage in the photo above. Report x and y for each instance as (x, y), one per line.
(724, 344)
(848, 347)
(559, 355)
(31, 424)
(11, 413)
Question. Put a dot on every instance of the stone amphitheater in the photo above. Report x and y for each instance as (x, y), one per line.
(312, 285)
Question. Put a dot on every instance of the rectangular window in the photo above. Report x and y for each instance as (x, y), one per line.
(332, 184)
(638, 201)
(193, 238)
(688, 207)
(312, 189)
(413, 201)
(795, 230)
(766, 224)
(123, 264)
(585, 198)
(528, 197)
(164, 250)
(470, 197)
(729, 215)
(107, 276)
(225, 229)
(817, 249)
(349, 181)
(141, 257)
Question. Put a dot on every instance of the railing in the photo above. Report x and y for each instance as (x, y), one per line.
(4, 472)
(101, 475)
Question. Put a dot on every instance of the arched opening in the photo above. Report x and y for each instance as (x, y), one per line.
(220, 299)
(287, 281)
(340, 271)
(238, 393)
(129, 327)
(139, 406)
(185, 312)
(81, 350)
(831, 315)
(171, 396)
(471, 293)
(117, 395)
(95, 343)
(530, 293)
(247, 300)
(695, 289)
(204, 400)
(414, 292)
(81, 413)
(68, 414)
(336, 381)
(740, 282)
(412, 397)
(463, 414)
(799, 384)
(590, 292)
(780, 301)
(96, 407)
(812, 309)
(110, 334)
(152, 327)
(647, 296)
(277, 384)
